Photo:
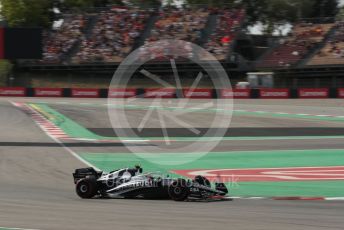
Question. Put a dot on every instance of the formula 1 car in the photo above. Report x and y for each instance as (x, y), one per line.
(132, 183)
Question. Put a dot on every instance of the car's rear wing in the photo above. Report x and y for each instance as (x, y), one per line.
(85, 172)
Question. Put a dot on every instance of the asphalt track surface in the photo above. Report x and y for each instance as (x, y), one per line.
(37, 192)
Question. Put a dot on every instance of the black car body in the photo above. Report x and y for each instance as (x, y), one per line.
(131, 183)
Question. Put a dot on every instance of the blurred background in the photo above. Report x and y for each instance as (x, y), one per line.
(296, 43)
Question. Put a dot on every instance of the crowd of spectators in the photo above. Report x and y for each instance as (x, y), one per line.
(333, 51)
(292, 49)
(115, 31)
(58, 42)
(166, 49)
(181, 24)
(176, 24)
(113, 36)
(228, 22)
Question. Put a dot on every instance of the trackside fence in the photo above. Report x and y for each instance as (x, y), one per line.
(198, 93)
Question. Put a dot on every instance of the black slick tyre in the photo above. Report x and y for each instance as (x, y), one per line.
(178, 190)
(86, 188)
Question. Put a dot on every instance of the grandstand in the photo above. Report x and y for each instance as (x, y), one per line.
(180, 24)
(110, 35)
(295, 47)
(333, 51)
(228, 23)
(58, 43)
(93, 43)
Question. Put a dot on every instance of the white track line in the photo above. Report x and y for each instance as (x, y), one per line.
(284, 113)
(324, 115)
(334, 198)
(74, 154)
(17, 228)
(303, 114)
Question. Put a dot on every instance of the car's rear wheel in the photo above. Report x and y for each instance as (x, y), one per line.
(86, 188)
(178, 190)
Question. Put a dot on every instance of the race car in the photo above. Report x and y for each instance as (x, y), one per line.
(132, 183)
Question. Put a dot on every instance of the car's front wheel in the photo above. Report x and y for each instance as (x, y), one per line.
(86, 188)
(178, 190)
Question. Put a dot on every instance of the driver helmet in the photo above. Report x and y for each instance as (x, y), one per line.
(138, 168)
